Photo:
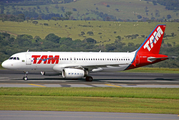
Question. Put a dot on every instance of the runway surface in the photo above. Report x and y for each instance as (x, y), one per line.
(10, 78)
(55, 115)
(14, 79)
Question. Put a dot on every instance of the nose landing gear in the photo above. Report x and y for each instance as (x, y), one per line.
(25, 77)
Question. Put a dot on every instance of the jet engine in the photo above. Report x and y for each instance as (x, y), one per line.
(73, 73)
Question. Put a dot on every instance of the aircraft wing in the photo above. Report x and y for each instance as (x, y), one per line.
(92, 67)
(89, 67)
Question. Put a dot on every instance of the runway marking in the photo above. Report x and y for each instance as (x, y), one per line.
(37, 85)
(112, 85)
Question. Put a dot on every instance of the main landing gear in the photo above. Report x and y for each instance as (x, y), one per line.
(25, 77)
(89, 78)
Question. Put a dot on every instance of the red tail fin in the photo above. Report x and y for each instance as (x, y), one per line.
(153, 42)
(148, 52)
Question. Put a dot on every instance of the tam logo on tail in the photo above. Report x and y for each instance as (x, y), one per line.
(152, 44)
(153, 39)
(148, 52)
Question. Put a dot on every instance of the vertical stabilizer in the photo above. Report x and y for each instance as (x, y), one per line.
(148, 52)
(153, 42)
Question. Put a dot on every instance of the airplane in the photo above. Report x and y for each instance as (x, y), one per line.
(75, 65)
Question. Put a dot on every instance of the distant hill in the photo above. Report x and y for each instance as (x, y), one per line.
(104, 32)
(105, 10)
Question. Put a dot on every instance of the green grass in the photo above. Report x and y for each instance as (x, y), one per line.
(160, 93)
(107, 29)
(131, 100)
(93, 104)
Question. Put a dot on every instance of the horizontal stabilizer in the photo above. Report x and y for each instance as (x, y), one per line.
(151, 59)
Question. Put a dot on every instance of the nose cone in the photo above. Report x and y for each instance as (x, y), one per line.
(5, 64)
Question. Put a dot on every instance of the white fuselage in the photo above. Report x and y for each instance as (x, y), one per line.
(47, 61)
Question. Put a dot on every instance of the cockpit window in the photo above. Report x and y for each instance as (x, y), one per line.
(14, 58)
(10, 58)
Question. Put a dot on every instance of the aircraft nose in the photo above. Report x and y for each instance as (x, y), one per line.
(5, 64)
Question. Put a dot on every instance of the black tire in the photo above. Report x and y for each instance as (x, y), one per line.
(89, 79)
(25, 78)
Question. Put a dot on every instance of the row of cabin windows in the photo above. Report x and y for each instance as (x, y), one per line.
(108, 59)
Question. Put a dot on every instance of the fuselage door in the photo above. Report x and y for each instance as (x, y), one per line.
(28, 59)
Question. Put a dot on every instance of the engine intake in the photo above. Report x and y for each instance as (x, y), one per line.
(73, 73)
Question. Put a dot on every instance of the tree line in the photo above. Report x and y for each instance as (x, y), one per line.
(10, 45)
(169, 4)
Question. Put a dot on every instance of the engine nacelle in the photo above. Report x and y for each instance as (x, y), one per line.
(73, 73)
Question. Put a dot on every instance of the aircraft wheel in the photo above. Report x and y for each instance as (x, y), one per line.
(89, 79)
(25, 78)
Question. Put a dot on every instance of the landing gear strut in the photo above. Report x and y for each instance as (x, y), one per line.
(25, 77)
(89, 78)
